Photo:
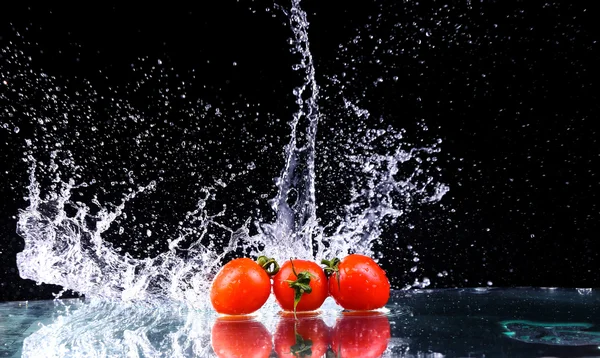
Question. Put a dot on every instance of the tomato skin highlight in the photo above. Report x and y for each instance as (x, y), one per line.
(284, 294)
(312, 328)
(241, 287)
(362, 286)
(240, 338)
(363, 336)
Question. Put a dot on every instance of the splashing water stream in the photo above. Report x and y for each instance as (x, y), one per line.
(294, 204)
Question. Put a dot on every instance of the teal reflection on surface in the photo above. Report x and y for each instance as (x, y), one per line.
(562, 334)
(418, 323)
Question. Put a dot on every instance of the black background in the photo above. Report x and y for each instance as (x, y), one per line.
(510, 87)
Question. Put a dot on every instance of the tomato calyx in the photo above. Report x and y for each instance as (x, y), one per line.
(300, 286)
(332, 267)
(268, 264)
(302, 347)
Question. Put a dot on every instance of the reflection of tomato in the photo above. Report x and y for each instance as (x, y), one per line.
(242, 286)
(240, 338)
(313, 334)
(358, 283)
(361, 335)
(285, 294)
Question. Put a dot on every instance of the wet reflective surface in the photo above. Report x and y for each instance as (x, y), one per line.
(427, 323)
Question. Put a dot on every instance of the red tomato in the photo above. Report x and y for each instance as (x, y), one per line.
(242, 286)
(362, 335)
(312, 336)
(310, 286)
(240, 338)
(358, 283)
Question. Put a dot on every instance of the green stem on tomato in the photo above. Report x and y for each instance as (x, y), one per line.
(332, 267)
(300, 286)
(266, 262)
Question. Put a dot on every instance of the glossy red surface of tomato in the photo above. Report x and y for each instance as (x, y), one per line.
(363, 336)
(312, 330)
(285, 294)
(362, 285)
(240, 338)
(240, 287)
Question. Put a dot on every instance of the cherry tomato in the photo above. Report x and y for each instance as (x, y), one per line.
(357, 283)
(304, 337)
(362, 335)
(242, 286)
(300, 285)
(240, 338)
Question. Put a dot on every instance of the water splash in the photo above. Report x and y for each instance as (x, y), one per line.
(296, 223)
(66, 240)
(64, 250)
